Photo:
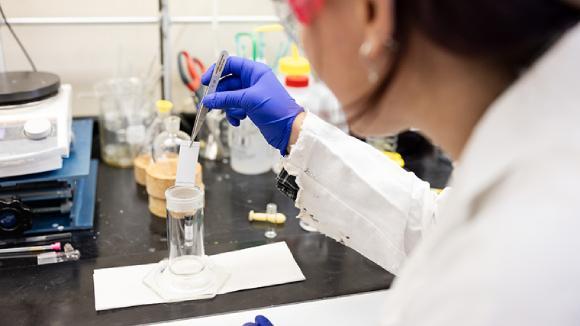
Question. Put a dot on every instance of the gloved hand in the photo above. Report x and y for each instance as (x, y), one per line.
(260, 321)
(253, 90)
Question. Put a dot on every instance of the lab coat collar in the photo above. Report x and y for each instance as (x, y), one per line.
(539, 111)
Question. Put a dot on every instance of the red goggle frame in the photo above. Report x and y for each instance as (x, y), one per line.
(305, 10)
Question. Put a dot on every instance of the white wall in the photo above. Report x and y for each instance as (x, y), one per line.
(85, 54)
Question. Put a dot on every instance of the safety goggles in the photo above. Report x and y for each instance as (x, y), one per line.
(295, 12)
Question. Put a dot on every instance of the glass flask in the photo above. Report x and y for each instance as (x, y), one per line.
(249, 151)
(143, 159)
(166, 144)
(125, 111)
(188, 273)
(161, 172)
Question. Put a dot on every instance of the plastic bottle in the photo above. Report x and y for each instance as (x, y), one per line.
(294, 74)
(299, 88)
(294, 64)
(315, 97)
(249, 151)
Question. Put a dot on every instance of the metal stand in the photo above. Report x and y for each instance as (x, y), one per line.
(165, 48)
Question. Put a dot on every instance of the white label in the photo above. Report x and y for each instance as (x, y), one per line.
(188, 156)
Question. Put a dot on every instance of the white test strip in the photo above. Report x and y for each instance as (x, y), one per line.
(188, 156)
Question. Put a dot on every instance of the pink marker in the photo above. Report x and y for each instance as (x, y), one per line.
(54, 247)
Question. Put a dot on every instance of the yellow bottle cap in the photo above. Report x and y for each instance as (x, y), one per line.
(269, 28)
(294, 65)
(164, 106)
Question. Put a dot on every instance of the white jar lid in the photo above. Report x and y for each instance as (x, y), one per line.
(184, 199)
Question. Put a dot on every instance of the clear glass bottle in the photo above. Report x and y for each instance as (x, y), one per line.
(141, 162)
(166, 144)
(161, 172)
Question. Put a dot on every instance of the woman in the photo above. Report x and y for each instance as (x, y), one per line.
(497, 85)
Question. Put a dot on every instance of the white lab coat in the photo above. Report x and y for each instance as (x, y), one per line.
(502, 245)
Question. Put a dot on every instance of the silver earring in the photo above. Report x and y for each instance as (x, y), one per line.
(365, 49)
(364, 52)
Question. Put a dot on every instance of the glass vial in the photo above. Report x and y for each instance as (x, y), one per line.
(271, 210)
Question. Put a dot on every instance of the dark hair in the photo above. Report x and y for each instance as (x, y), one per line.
(512, 33)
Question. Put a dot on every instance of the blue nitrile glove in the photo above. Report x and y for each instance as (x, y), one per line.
(260, 321)
(253, 90)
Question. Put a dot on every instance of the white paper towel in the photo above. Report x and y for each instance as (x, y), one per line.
(250, 268)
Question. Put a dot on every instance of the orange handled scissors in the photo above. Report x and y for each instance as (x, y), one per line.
(190, 70)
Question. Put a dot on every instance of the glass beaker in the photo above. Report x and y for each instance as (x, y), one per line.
(125, 111)
(249, 151)
(188, 273)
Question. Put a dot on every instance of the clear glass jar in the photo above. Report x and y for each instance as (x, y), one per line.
(188, 273)
(125, 111)
(185, 229)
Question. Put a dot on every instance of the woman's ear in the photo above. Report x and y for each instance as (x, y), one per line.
(380, 27)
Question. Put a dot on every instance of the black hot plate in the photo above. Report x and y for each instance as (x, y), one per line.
(19, 87)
